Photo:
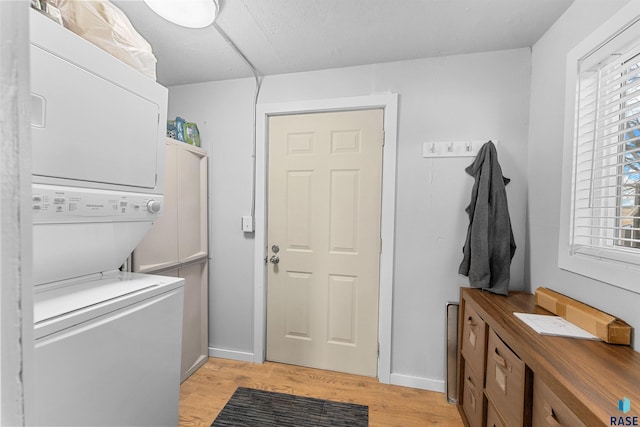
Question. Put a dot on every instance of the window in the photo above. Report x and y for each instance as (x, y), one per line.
(629, 199)
(600, 230)
(607, 157)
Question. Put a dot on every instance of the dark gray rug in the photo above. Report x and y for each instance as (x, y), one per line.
(258, 408)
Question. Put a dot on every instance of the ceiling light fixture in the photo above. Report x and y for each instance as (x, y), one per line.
(186, 13)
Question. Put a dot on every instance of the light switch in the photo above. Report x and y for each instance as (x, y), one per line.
(247, 224)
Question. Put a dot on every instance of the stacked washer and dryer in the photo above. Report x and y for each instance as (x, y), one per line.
(107, 342)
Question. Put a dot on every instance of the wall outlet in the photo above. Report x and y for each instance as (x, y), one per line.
(247, 224)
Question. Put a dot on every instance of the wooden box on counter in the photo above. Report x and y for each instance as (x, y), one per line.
(592, 320)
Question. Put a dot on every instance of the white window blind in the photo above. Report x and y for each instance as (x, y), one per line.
(605, 211)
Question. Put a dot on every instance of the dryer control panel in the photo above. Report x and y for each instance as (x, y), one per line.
(69, 204)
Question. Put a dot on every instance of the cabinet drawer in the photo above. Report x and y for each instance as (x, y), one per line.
(474, 332)
(472, 397)
(505, 381)
(549, 410)
(493, 420)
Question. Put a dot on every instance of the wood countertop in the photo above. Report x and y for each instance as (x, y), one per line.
(589, 376)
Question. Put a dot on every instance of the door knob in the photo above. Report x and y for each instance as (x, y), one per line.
(274, 259)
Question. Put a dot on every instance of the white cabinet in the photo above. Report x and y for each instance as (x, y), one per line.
(195, 320)
(176, 245)
(180, 234)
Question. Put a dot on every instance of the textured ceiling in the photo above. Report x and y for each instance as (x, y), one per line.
(284, 36)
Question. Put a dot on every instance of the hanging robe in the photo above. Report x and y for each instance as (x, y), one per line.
(489, 246)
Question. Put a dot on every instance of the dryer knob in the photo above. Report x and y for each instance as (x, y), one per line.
(153, 206)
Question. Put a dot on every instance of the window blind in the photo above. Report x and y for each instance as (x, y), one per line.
(606, 179)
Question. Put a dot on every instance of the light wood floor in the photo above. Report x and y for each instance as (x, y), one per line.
(206, 392)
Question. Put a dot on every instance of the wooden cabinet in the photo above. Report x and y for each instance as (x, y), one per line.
(493, 420)
(550, 410)
(472, 397)
(508, 382)
(534, 380)
(474, 341)
(177, 245)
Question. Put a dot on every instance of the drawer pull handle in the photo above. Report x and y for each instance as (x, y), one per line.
(499, 359)
(471, 323)
(472, 387)
(551, 418)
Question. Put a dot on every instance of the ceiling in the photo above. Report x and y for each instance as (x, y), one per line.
(285, 36)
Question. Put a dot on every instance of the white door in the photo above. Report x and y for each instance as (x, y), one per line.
(324, 198)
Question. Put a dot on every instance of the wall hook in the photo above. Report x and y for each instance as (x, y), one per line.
(468, 148)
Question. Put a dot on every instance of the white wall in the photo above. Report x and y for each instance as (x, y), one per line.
(224, 114)
(477, 96)
(16, 304)
(545, 163)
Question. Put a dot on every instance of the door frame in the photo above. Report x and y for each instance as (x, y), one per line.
(389, 103)
(17, 385)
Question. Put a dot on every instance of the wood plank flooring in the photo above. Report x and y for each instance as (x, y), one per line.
(206, 392)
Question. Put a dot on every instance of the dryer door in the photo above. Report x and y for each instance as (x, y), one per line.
(87, 128)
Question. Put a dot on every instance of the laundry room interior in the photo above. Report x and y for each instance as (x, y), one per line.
(285, 195)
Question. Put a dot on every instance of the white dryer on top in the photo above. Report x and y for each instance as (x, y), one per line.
(107, 343)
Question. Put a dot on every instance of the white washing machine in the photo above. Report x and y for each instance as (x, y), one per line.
(107, 351)
(107, 342)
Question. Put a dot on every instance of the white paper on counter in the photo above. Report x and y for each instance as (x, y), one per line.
(554, 325)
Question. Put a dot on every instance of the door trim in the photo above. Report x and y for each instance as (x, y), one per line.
(389, 103)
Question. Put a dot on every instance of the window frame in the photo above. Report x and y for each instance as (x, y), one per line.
(623, 26)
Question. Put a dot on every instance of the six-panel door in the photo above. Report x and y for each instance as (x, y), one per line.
(324, 229)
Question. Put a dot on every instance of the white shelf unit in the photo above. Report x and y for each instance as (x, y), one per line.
(177, 245)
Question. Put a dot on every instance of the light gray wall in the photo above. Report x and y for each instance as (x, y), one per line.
(545, 163)
(477, 96)
(16, 301)
(224, 114)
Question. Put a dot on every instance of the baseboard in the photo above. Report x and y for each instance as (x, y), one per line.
(395, 379)
(231, 354)
(417, 382)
